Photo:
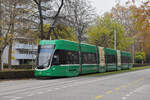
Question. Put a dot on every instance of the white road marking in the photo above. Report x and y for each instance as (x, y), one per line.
(49, 90)
(128, 95)
(8, 96)
(64, 86)
(143, 89)
(124, 98)
(16, 98)
(131, 92)
(40, 93)
(135, 91)
(28, 89)
(30, 95)
(57, 88)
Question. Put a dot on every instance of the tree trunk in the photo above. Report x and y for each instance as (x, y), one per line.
(80, 54)
(0, 19)
(41, 20)
(10, 44)
(1, 64)
(10, 54)
(142, 61)
(52, 27)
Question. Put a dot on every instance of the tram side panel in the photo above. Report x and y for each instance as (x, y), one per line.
(89, 62)
(110, 59)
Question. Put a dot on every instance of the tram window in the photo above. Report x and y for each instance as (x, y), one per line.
(111, 59)
(56, 60)
(67, 57)
(84, 58)
(93, 58)
(125, 59)
(88, 58)
(75, 57)
(129, 60)
(122, 59)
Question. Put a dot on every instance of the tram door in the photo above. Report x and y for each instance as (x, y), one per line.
(102, 59)
(118, 60)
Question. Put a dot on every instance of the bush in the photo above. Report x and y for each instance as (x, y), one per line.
(140, 65)
(25, 66)
(16, 74)
(140, 57)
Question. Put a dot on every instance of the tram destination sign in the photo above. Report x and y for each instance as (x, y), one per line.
(47, 46)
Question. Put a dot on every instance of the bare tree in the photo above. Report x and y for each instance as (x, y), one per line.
(123, 15)
(38, 2)
(3, 38)
(55, 18)
(41, 8)
(13, 22)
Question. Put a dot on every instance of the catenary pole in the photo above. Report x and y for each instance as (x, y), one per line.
(115, 39)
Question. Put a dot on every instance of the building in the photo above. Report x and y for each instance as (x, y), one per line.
(23, 52)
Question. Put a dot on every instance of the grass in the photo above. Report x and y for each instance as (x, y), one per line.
(121, 71)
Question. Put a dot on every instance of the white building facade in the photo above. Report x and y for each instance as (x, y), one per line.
(23, 52)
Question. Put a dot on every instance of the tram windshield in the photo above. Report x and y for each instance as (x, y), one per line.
(44, 56)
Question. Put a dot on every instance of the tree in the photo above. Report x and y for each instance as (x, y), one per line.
(140, 57)
(54, 18)
(102, 33)
(14, 22)
(135, 20)
(122, 14)
(63, 32)
(79, 15)
(142, 24)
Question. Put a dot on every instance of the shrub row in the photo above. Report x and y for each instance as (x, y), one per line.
(33, 66)
(17, 74)
(20, 74)
(25, 66)
(140, 65)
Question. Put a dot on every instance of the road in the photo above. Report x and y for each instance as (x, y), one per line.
(125, 86)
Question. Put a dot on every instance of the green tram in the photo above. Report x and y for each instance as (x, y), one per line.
(61, 58)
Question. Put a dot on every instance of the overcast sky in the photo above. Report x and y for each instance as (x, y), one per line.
(105, 5)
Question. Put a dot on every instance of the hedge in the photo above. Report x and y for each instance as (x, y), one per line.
(28, 73)
(17, 74)
(25, 66)
(140, 65)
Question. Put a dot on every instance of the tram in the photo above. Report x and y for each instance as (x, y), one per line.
(61, 58)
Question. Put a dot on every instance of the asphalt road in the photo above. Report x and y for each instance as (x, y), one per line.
(125, 86)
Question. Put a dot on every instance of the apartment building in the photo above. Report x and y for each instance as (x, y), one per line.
(23, 52)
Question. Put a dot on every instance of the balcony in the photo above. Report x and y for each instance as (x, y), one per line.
(24, 46)
(25, 56)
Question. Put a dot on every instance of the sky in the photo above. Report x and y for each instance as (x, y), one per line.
(105, 5)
